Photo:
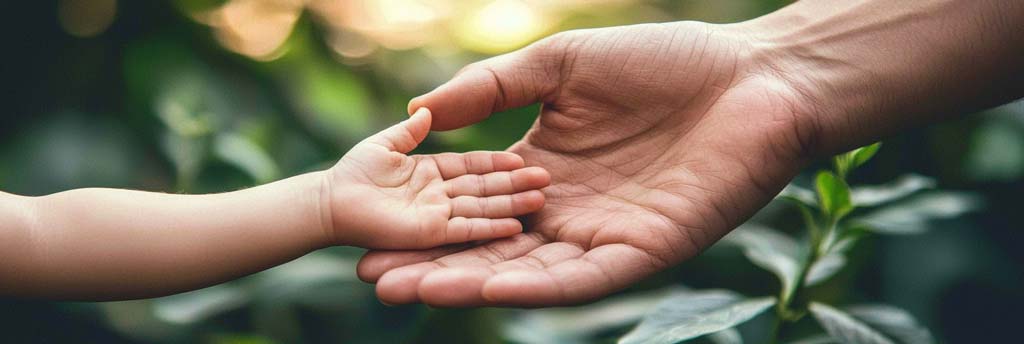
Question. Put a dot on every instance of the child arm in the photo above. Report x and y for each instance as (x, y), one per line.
(107, 244)
(100, 244)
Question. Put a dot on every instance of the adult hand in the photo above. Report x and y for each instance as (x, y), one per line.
(659, 138)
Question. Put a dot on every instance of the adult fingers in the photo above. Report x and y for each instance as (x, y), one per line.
(400, 285)
(559, 275)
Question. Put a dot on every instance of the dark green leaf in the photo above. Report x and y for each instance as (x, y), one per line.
(195, 306)
(726, 336)
(823, 268)
(246, 155)
(893, 322)
(770, 250)
(912, 216)
(870, 196)
(691, 315)
(996, 151)
(578, 324)
(845, 327)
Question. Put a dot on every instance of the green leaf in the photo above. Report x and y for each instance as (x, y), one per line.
(241, 152)
(863, 154)
(893, 322)
(996, 151)
(834, 194)
(849, 161)
(876, 323)
(770, 250)
(691, 315)
(726, 336)
(912, 216)
(196, 306)
(579, 324)
(823, 268)
(870, 196)
(187, 154)
(845, 243)
(845, 327)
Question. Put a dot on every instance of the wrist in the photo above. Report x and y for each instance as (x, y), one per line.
(863, 70)
(325, 209)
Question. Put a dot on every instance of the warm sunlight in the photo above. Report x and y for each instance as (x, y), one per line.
(500, 26)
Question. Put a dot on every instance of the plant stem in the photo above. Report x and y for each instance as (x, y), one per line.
(785, 315)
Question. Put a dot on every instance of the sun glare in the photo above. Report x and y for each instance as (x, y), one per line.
(500, 26)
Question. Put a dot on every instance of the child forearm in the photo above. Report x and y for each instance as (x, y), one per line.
(99, 244)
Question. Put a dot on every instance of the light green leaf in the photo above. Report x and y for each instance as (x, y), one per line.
(845, 327)
(823, 268)
(195, 306)
(770, 250)
(834, 194)
(241, 152)
(912, 216)
(870, 196)
(863, 154)
(893, 322)
(798, 194)
(691, 315)
(849, 161)
(578, 324)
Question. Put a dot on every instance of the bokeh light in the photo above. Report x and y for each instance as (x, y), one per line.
(501, 26)
(255, 28)
(86, 18)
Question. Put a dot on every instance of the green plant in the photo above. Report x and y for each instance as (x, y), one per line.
(836, 216)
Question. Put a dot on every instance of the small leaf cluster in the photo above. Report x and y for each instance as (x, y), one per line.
(836, 216)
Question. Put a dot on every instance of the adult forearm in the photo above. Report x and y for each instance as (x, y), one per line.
(114, 244)
(870, 68)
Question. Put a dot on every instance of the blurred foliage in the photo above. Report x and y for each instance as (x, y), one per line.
(214, 95)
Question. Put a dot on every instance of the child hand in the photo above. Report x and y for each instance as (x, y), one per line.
(379, 197)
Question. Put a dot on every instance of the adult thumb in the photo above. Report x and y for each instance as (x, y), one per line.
(516, 79)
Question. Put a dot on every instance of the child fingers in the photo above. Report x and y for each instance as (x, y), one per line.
(496, 207)
(498, 183)
(452, 165)
(406, 135)
(461, 229)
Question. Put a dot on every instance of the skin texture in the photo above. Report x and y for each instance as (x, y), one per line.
(661, 138)
(104, 244)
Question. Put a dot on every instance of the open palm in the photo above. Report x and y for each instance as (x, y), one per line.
(382, 198)
(660, 138)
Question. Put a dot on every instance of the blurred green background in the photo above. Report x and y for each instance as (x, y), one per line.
(206, 96)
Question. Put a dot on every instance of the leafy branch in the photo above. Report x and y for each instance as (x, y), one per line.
(836, 217)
